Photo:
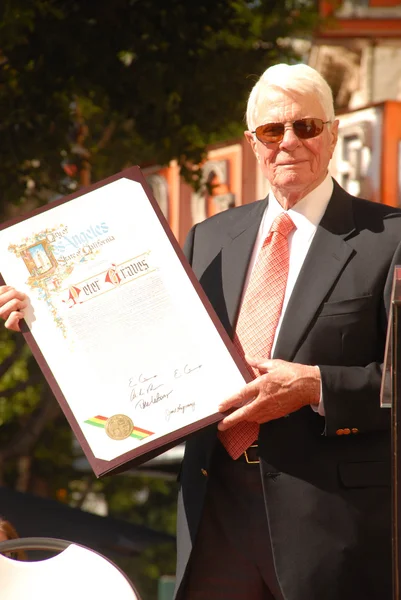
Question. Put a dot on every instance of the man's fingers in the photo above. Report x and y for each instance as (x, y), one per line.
(7, 293)
(13, 305)
(235, 417)
(13, 321)
(11, 300)
(263, 365)
(5, 288)
(247, 393)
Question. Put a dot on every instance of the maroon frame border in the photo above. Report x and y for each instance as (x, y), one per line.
(138, 455)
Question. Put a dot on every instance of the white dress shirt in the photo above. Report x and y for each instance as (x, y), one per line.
(306, 216)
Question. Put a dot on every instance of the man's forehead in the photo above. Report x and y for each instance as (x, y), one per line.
(278, 105)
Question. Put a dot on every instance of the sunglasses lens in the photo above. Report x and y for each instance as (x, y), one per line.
(271, 132)
(306, 129)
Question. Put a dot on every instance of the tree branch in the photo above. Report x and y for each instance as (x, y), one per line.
(107, 133)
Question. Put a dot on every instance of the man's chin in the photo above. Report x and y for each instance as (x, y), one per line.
(292, 180)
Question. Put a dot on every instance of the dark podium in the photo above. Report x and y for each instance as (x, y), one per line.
(390, 397)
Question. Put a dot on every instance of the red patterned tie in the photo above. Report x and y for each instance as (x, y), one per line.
(259, 316)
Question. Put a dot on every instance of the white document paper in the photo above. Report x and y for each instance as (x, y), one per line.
(117, 319)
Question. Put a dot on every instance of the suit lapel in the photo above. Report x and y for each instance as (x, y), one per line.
(327, 257)
(236, 254)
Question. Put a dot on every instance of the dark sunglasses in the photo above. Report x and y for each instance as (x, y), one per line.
(305, 129)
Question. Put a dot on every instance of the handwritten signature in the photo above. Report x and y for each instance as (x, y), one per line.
(144, 389)
(146, 402)
(180, 408)
(141, 379)
(187, 370)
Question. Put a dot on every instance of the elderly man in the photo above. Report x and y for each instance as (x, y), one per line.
(289, 497)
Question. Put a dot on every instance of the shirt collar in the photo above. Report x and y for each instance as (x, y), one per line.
(307, 213)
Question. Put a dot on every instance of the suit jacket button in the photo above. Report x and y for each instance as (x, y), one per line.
(347, 431)
(340, 432)
(355, 430)
(204, 472)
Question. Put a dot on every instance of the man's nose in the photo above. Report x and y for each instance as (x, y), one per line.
(290, 140)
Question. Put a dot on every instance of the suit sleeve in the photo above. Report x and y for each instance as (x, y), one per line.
(351, 395)
(188, 248)
(351, 399)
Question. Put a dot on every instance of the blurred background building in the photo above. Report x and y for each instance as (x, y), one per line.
(359, 53)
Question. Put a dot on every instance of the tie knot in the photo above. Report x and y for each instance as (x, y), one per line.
(282, 224)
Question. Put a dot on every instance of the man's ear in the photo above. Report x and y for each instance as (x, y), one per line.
(250, 138)
(334, 135)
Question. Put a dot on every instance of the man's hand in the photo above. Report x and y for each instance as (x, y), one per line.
(281, 388)
(12, 305)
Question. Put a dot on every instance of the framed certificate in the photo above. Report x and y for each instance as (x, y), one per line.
(118, 323)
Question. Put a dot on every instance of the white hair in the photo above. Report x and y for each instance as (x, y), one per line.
(295, 79)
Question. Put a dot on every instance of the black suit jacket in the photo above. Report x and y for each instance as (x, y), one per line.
(328, 507)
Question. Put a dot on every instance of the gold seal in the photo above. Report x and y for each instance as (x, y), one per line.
(119, 427)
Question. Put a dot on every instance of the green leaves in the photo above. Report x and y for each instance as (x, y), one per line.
(177, 72)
